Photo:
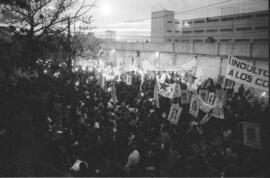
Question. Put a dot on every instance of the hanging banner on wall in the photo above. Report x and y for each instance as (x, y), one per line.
(247, 74)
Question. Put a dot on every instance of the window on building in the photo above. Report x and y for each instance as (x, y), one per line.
(177, 22)
(227, 19)
(138, 53)
(198, 31)
(185, 40)
(169, 21)
(261, 28)
(199, 21)
(244, 29)
(187, 31)
(225, 40)
(226, 30)
(177, 31)
(261, 40)
(169, 31)
(211, 30)
(245, 17)
(198, 40)
(263, 15)
(169, 40)
(211, 20)
(241, 40)
(176, 40)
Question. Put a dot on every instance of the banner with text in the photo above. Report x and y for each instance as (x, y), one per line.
(247, 74)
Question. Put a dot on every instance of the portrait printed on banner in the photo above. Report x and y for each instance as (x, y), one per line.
(175, 113)
(203, 94)
(128, 80)
(251, 133)
(185, 97)
(194, 107)
(211, 98)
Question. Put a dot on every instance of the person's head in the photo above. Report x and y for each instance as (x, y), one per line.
(174, 113)
(194, 105)
(83, 166)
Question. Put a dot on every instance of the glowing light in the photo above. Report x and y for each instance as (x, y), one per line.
(45, 71)
(157, 54)
(186, 24)
(77, 83)
(263, 94)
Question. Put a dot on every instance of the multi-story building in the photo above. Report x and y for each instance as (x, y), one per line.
(249, 27)
(164, 27)
(110, 35)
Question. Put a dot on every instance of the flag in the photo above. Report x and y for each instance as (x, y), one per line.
(166, 90)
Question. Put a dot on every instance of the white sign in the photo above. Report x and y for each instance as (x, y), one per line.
(247, 74)
(128, 80)
(194, 106)
(251, 133)
(175, 113)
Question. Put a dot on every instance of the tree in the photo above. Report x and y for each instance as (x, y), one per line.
(40, 17)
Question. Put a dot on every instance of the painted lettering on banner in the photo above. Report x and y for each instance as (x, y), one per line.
(247, 74)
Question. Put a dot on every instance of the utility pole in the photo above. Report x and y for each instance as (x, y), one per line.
(69, 67)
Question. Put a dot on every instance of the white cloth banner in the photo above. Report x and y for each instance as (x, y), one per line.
(184, 67)
(166, 90)
(247, 74)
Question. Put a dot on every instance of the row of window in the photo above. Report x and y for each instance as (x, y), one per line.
(176, 22)
(221, 40)
(260, 28)
(226, 18)
(170, 31)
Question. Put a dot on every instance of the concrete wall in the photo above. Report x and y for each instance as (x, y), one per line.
(240, 49)
(211, 58)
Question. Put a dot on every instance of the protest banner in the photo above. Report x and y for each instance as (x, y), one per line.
(166, 90)
(175, 113)
(247, 74)
(251, 134)
(218, 111)
(177, 91)
(128, 80)
(205, 106)
(185, 97)
(203, 94)
(211, 98)
(194, 106)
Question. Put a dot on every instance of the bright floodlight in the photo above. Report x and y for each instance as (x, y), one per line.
(105, 9)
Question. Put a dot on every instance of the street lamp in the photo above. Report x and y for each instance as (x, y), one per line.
(157, 56)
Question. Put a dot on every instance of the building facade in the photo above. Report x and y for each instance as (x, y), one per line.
(110, 35)
(164, 27)
(248, 27)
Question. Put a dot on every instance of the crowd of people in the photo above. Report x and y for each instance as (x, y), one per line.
(80, 131)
